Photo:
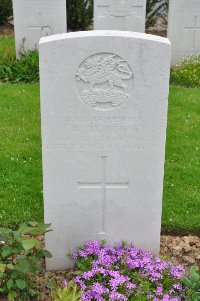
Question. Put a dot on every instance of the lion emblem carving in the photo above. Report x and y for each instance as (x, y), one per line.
(104, 79)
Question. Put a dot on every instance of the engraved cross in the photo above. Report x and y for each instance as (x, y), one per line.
(194, 29)
(103, 185)
(40, 27)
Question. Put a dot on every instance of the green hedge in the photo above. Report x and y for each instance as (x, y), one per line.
(5, 10)
(156, 9)
(79, 14)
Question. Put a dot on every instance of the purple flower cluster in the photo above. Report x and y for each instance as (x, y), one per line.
(125, 273)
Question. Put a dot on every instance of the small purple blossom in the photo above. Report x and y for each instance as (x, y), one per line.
(64, 284)
(117, 296)
(159, 291)
(177, 271)
(130, 286)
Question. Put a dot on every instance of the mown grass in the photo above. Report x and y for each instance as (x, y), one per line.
(20, 154)
(20, 158)
(181, 206)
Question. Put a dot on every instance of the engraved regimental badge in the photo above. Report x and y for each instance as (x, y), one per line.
(104, 81)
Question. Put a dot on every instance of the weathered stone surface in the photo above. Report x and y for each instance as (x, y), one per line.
(103, 155)
(184, 28)
(34, 19)
(120, 15)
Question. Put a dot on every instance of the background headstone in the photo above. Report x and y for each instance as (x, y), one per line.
(104, 114)
(184, 28)
(120, 15)
(34, 19)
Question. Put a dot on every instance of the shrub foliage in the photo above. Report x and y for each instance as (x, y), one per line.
(193, 284)
(69, 292)
(5, 10)
(24, 70)
(20, 256)
(156, 9)
(79, 14)
(187, 72)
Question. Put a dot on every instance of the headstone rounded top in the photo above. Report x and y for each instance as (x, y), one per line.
(104, 33)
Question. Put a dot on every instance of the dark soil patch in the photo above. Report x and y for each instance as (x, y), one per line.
(161, 33)
(6, 30)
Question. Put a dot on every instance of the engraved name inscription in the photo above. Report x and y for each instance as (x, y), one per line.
(107, 133)
(104, 81)
(123, 8)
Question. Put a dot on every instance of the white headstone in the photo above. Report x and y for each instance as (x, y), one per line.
(184, 28)
(34, 19)
(104, 112)
(120, 15)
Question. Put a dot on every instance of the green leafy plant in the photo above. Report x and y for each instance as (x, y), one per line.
(187, 72)
(26, 69)
(156, 9)
(79, 14)
(5, 10)
(20, 256)
(70, 292)
(193, 283)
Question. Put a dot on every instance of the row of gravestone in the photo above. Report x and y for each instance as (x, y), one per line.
(37, 18)
(103, 116)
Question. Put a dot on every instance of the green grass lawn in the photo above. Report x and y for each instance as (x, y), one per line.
(20, 158)
(7, 45)
(20, 154)
(181, 206)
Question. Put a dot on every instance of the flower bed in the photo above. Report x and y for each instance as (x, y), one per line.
(101, 272)
(125, 273)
